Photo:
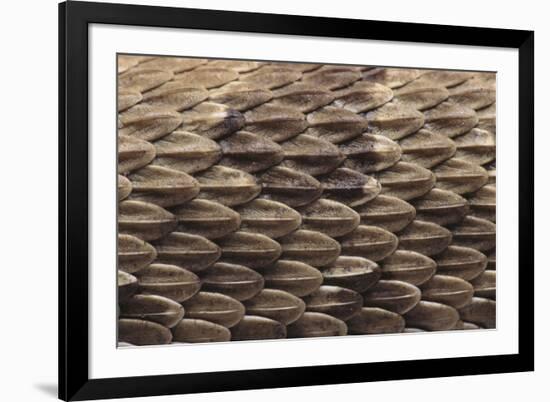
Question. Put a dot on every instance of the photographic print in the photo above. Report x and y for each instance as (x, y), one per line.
(266, 200)
(235, 185)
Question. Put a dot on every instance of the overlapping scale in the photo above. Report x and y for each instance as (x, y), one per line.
(264, 200)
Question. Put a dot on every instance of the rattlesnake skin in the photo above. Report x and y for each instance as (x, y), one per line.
(263, 200)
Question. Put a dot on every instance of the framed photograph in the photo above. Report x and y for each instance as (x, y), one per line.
(258, 200)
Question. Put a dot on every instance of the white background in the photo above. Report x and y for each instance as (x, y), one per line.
(29, 198)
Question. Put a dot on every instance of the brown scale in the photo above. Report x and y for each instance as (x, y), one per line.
(173, 64)
(124, 187)
(349, 187)
(481, 311)
(302, 96)
(236, 281)
(192, 252)
(391, 77)
(487, 118)
(140, 332)
(310, 247)
(449, 290)
(125, 62)
(133, 153)
(463, 325)
(187, 152)
(450, 119)
(153, 308)
(271, 77)
(355, 273)
(270, 218)
(212, 120)
(162, 186)
(289, 186)
(311, 325)
(408, 266)
(250, 249)
(311, 155)
(483, 203)
(491, 169)
(332, 77)
(406, 180)
(370, 153)
(169, 281)
(461, 262)
(335, 124)
(127, 98)
(420, 94)
(394, 121)
(148, 123)
(214, 307)
(191, 330)
(301, 67)
(426, 238)
(432, 316)
(239, 66)
(485, 285)
(427, 148)
(445, 78)
(491, 259)
(250, 152)
(441, 207)
(205, 218)
(127, 285)
(278, 123)
(476, 233)
(329, 217)
(375, 320)
(338, 302)
(142, 79)
(476, 146)
(389, 213)
(206, 76)
(459, 176)
(144, 220)
(240, 96)
(253, 327)
(370, 242)
(302, 153)
(134, 254)
(227, 186)
(294, 277)
(396, 296)
(362, 96)
(174, 95)
(276, 304)
(476, 93)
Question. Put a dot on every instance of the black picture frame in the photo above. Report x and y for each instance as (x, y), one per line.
(74, 18)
